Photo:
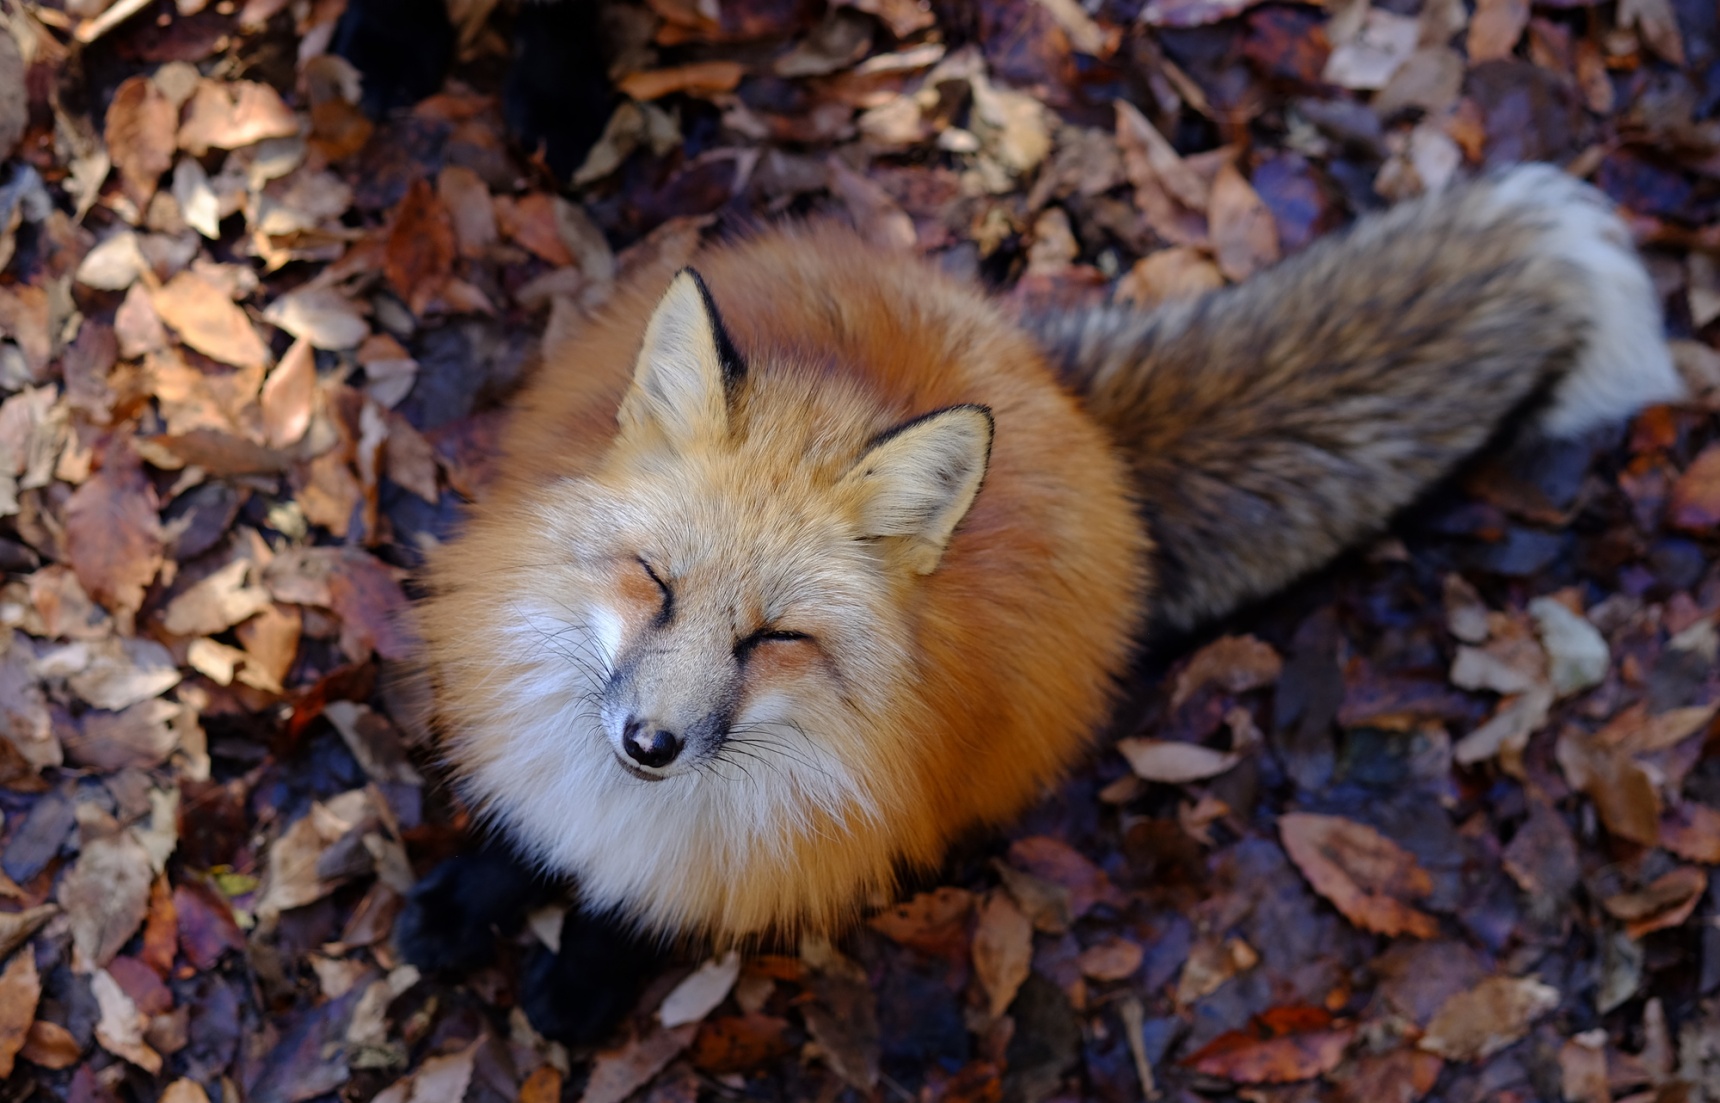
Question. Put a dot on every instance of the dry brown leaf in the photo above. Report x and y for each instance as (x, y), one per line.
(289, 396)
(1692, 831)
(20, 988)
(618, 1073)
(320, 315)
(1366, 60)
(1111, 960)
(419, 252)
(293, 878)
(1179, 272)
(120, 1029)
(467, 199)
(1695, 501)
(1211, 963)
(188, 1091)
(1657, 25)
(138, 737)
(878, 217)
(113, 533)
(51, 1046)
(121, 672)
(17, 927)
(410, 460)
(207, 320)
(933, 922)
(1483, 1020)
(1056, 861)
(1175, 762)
(216, 603)
(1002, 950)
(1285, 1045)
(1400, 1076)
(1244, 235)
(1665, 902)
(1635, 732)
(700, 78)
(140, 136)
(234, 113)
(106, 896)
(1365, 875)
(1624, 794)
(1495, 29)
(1235, 664)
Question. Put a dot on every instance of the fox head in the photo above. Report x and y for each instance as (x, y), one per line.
(713, 624)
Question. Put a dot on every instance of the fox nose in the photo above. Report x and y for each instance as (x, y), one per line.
(649, 746)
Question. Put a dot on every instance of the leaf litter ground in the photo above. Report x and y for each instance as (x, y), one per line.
(1438, 824)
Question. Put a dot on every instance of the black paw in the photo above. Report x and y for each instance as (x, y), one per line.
(580, 995)
(401, 47)
(557, 96)
(454, 916)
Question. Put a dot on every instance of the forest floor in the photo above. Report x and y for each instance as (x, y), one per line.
(1439, 824)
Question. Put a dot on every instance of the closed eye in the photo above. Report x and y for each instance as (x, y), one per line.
(668, 609)
(758, 639)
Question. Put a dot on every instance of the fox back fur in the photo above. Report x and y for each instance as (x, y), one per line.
(795, 572)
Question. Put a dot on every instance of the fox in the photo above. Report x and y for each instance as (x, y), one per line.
(806, 561)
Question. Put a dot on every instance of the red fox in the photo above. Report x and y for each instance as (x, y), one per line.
(808, 559)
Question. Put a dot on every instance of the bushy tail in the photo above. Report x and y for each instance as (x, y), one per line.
(1273, 424)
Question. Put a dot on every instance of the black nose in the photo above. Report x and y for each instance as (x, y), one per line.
(649, 747)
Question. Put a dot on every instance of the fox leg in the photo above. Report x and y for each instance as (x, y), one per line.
(1273, 424)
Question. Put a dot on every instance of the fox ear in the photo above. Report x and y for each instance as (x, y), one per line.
(919, 479)
(688, 368)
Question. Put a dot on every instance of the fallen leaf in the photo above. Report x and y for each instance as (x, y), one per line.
(295, 876)
(1495, 29)
(207, 929)
(1695, 500)
(1367, 59)
(542, 1086)
(1111, 960)
(106, 896)
(843, 1014)
(207, 320)
(120, 673)
(1542, 855)
(113, 535)
(1285, 1045)
(700, 992)
(1061, 864)
(228, 114)
(1692, 831)
(700, 78)
(17, 927)
(1577, 654)
(1210, 965)
(1624, 795)
(1365, 875)
(51, 1046)
(20, 988)
(1667, 901)
(1002, 950)
(140, 136)
(120, 1029)
(1235, 664)
(140, 737)
(185, 1091)
(321, 316)
(1244, 236)
(933, 922)
(198, 203)
(1483, 1020)
(1179, 272)
(1174, 762)
(879, 218)
(618, 1073)
(216, 603)
(739, 1043)
(1509, 729)
(1657, 24)
(419, 252)
(1400, 1076)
